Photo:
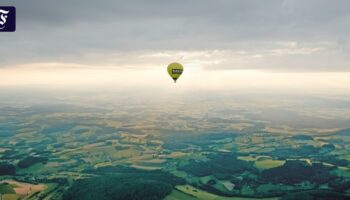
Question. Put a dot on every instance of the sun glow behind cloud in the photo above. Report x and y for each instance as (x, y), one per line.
(153, 75)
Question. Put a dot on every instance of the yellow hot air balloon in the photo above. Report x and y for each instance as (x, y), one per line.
(175, 70)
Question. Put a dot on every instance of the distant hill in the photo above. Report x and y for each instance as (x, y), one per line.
(119, 183)
(302, 137)
(344, 132)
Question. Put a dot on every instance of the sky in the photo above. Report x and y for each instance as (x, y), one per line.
(222, 43)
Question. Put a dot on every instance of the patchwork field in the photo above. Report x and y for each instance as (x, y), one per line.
(79, 151)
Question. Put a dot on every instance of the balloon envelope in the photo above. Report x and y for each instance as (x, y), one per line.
(175, 70)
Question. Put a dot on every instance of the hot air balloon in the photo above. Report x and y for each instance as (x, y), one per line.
(175, 70)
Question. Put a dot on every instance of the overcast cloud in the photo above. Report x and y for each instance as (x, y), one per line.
(289, 35)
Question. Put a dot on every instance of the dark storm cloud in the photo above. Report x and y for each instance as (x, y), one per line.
(70, 30)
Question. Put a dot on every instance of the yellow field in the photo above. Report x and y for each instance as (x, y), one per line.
(268, 164)
(21, 189)
(145, 167)
(10, 197)
(177, 195)
(247, 158)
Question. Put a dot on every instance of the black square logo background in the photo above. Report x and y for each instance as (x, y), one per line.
(7, 20)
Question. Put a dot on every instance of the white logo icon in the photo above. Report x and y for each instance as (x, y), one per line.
(3, 17)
